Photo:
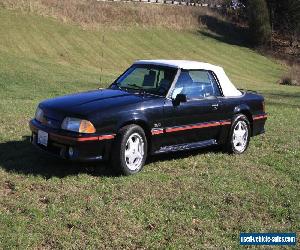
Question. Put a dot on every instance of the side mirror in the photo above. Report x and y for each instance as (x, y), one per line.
(179, 98)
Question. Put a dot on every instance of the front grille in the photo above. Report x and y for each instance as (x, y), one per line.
(51, 122)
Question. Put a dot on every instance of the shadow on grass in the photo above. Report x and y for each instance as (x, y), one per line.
(23, 158)
(224, 31)
(183, 154)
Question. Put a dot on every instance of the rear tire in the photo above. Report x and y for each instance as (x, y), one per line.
(129, 150)
(239, 136)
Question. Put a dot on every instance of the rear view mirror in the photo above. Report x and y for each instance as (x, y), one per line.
(179, 98)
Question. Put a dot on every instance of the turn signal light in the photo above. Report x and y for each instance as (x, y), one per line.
(78, 125)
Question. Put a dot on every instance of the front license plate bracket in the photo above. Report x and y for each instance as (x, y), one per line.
(42, 138)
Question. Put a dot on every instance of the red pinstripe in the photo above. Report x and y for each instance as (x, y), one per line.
(189, 127)
(258, 117)
(226, 123)
(157, 131)
(81, 139)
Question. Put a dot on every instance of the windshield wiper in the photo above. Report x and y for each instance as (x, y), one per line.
(134, 85)
(118, 86)
(142, 90)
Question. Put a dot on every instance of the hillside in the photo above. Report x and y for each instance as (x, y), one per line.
(93, 14)
(41, 40)
(191, 200)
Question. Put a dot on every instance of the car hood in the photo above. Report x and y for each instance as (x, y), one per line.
(84, 103)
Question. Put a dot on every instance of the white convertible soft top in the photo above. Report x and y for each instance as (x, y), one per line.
(227, 86)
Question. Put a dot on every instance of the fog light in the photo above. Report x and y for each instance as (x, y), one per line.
(71, 151)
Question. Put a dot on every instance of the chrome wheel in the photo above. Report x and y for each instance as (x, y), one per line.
(134, 152)
(240, 136)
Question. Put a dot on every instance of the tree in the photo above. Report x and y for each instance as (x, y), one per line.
(259, 22)
(285, 17)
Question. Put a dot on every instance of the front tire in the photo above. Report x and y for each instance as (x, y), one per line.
(129, 151)
(239, 136)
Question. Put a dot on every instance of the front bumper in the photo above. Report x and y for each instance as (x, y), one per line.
(72, 147)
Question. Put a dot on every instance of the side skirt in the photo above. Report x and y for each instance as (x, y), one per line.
(186, 146)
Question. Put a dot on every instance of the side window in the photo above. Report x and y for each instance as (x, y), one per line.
(196, 84)
(183, 85)
(214, 84)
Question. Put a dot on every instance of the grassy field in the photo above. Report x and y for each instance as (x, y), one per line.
(200, 199)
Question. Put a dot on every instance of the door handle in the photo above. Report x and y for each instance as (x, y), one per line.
(215, 106)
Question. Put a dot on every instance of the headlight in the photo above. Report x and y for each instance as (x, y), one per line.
(39, 115)
(78, 125)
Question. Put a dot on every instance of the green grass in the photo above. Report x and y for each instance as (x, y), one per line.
(202, 199)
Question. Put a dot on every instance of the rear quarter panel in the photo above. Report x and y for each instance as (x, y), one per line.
(249, 104)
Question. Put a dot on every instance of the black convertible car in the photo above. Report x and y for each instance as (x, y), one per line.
(155, 106)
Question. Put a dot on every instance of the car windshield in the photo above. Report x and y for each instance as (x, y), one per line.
(153, 79)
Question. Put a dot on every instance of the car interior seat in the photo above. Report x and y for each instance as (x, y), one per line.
(149, 79)
(186, 83)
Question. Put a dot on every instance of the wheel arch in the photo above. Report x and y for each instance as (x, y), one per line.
(245, 110)
(143, 124)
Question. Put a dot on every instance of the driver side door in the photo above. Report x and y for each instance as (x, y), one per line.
(197, 119)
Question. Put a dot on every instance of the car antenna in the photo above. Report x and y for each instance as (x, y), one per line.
(101, 62)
